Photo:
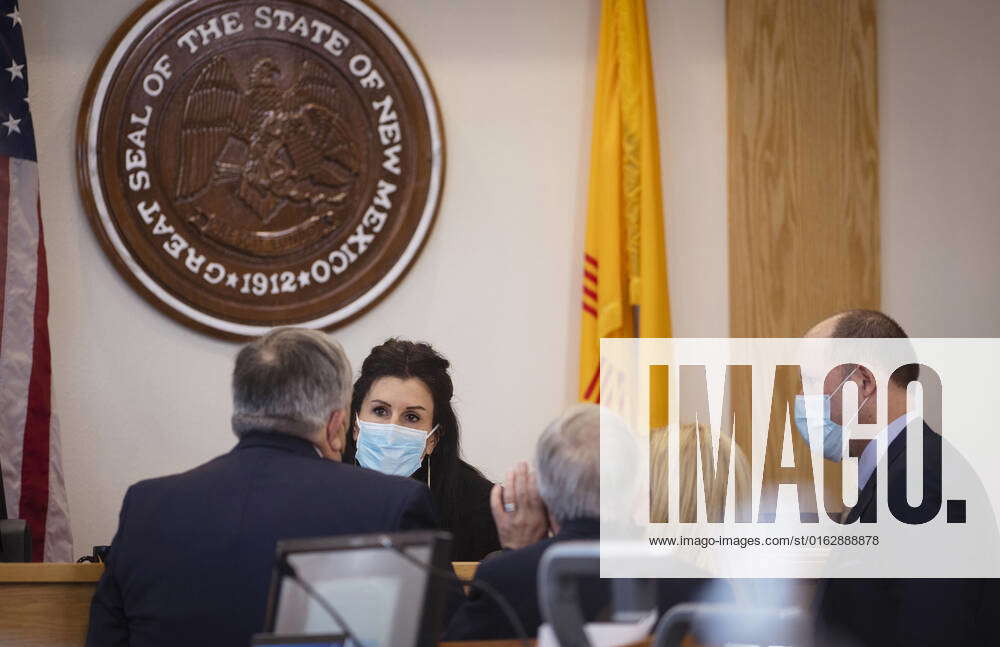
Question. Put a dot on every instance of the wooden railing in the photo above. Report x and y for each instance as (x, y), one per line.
(48, 605)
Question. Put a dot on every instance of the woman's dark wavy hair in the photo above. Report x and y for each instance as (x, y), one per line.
(406, 359)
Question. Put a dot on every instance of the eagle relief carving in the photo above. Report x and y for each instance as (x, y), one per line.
(247, 166)
(273, 149)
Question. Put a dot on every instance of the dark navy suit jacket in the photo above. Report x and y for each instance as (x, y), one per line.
(191, 561)
(514, 575)
(908, 612)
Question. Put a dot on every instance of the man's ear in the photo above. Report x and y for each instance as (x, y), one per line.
(867, 386)
(335, 435)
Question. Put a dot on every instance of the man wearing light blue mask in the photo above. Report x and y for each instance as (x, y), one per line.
(830, 406)
(870, 612)
(827, 399)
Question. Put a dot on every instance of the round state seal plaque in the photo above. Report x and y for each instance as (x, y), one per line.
(253, 164)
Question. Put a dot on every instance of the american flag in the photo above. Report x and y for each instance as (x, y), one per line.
(29, 437)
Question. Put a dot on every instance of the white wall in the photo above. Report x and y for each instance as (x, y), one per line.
(497, 288)
(939, 104)
(688, 39)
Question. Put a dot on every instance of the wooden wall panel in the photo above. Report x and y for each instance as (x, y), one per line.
(803, 169)
(803, 163)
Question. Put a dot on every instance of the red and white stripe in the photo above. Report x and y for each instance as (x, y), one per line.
(590, 285)
(592, 393)
(29, 438)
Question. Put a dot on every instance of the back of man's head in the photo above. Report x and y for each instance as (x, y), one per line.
(870, 324)
(866, 324)
(289, 381)
(569, 465)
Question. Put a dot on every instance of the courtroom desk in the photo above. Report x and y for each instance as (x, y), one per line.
(532, 642)
(487, 643)
(465, 570)
(46, 605)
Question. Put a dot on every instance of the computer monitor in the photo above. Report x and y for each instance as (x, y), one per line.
(15, 541)
(333, 640)
(15, 536)
(386, 599)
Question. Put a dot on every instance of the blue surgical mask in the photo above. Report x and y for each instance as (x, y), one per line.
(833, 434)
(391, 449)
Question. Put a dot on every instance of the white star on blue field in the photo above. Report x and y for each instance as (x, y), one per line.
(17, 133)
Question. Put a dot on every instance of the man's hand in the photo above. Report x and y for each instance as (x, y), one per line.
(518, 510)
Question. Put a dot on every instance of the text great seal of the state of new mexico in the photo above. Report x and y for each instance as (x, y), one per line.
(254, 164)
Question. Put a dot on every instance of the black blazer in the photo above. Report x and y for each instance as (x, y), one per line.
(191, 561)
(896, 464)
(473, 531)
(514, 575)
(921, 612)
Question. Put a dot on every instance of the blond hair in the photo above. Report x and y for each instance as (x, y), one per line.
(690, 439)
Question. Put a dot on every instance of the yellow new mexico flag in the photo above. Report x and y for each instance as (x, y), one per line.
(625, 272)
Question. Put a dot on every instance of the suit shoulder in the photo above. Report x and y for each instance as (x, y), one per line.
(170, 481)
(514, 564)
(392, 492)
(157, 484)
(402, 485)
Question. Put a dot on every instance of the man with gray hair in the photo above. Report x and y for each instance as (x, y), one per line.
(565, 505)
(568, 496)
(192, 558)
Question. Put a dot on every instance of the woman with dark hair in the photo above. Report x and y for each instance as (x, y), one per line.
(404, 424)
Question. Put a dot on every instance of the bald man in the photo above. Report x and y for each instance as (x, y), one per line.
(925, 612)
(860, 324)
